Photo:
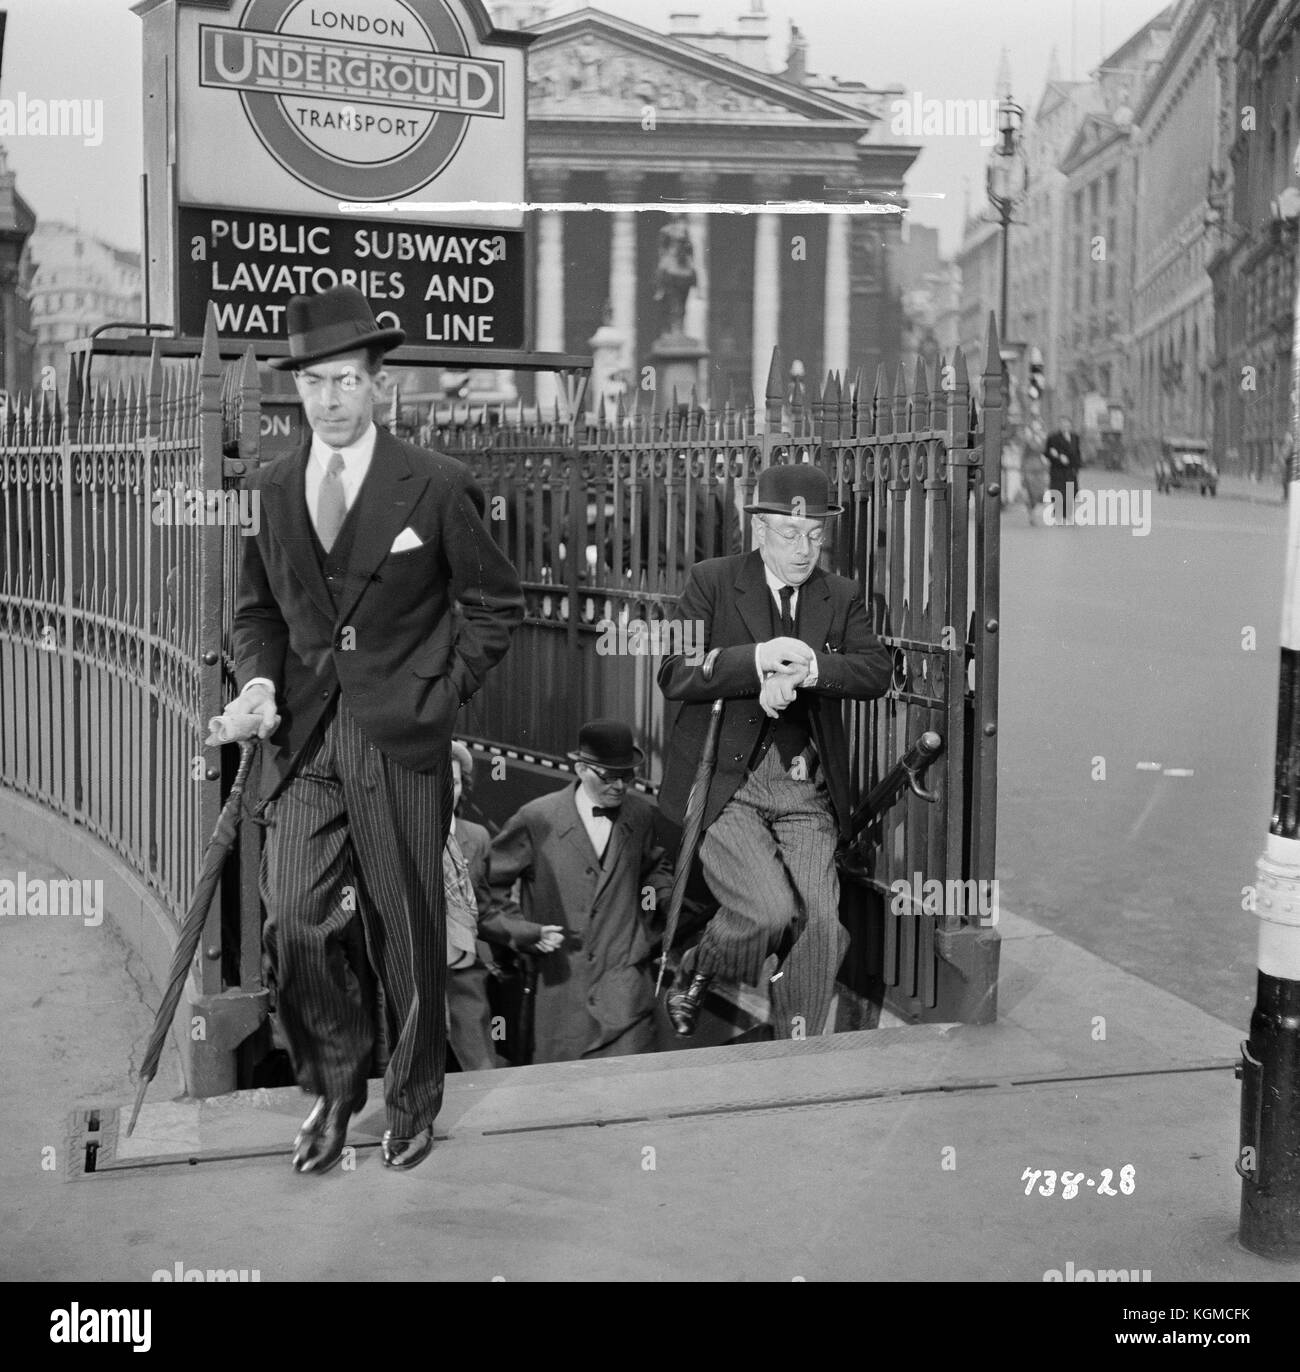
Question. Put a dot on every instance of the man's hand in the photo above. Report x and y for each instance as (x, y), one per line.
(785, 655)
(251, 714)
(552, 937)
(778, 691)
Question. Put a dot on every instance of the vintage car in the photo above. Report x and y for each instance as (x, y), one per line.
(1186, 462)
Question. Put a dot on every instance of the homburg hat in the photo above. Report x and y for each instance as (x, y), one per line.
(607, 743)
(339, 320)
(783, 484)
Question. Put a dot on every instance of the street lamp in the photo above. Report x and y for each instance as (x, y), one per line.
(1006, 179)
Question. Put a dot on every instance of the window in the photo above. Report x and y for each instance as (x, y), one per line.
(1110, 281)
(1112, 186)
(1094, 198)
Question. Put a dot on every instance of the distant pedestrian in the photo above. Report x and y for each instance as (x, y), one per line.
(592, 879)
(1064, 457)
(1033, 469)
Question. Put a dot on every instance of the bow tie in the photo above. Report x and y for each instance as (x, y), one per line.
(609, 812)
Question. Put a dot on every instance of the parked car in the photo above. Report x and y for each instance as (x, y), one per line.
(1186, 462)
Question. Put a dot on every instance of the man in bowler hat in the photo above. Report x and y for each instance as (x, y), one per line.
(591, 880)
(786, 644)
(372, 603)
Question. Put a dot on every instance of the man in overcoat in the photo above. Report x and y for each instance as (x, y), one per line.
(591, 880)
(372, 603)
(787, 644)
(1064, 454)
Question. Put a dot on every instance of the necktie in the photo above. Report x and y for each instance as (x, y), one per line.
(331, 504)
(787, 619)
(609, 812)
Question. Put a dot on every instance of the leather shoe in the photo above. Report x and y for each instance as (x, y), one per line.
(684, 1006)
(407, 1153)
(324, 1133)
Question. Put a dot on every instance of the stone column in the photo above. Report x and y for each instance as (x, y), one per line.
(624, 186)
(549, 185)
(767, 283)
(835, 333)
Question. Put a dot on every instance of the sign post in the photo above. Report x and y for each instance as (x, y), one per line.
(264, 117)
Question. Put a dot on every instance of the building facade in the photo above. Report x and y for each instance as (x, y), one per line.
(17, 221)
(1181, 152)
(1253, 208)
(80, 282)
(1100, 170)
(621, 115)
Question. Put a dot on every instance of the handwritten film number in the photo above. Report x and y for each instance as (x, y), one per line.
(1070, 1182)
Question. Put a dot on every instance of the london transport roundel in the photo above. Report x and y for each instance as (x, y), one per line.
(363, 101)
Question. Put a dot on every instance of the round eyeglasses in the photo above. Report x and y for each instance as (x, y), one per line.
(814, 538)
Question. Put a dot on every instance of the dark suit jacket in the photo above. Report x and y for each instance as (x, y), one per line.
(729, 596)
(403, 656)
(601, 971)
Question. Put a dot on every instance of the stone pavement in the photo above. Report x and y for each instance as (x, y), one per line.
(897, 1154)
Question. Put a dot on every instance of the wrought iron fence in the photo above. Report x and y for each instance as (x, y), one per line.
(116, 603)
(603, 521)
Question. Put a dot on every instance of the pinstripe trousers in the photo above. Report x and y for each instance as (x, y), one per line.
(353, 831)
(769, 859)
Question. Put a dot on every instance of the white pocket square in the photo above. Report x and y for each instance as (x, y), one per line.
(405, 541)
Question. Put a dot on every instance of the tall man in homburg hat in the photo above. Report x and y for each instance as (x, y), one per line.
(786, 644)
(372, 603)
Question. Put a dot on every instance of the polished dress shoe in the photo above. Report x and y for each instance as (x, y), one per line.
(407, 1153)
(684, 1006)
(324, 1133)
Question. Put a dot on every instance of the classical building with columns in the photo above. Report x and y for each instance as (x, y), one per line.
(621, 115)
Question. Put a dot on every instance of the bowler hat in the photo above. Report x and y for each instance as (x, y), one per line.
(339, 320)
(793, 488)
(607, 743)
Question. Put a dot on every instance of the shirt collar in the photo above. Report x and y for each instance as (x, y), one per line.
(355, 455)
(776, 585)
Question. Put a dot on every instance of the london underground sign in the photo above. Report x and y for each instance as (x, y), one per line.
(282, 109)
(358, 118)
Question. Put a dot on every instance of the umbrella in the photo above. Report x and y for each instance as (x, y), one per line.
(692, 824)
(223, 836)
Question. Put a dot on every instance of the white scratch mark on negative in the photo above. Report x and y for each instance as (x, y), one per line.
(1149, 766)
(1179, 771)
(609, 207)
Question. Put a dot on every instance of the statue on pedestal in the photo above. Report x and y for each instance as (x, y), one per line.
(674, 277)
